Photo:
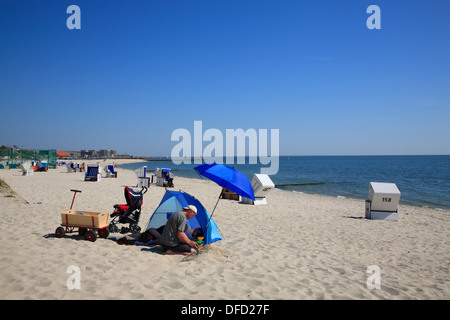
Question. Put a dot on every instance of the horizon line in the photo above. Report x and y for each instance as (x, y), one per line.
(311, 155)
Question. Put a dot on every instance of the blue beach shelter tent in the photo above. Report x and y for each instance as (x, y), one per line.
(174, 201)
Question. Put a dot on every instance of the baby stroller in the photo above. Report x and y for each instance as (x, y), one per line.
(128, 213)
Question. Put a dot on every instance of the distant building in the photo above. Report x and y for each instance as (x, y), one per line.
(89, 154)
(62, 155)
(108, 154)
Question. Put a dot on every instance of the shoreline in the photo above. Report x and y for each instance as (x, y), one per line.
(298, 246)
(308, 193)
(120, 162)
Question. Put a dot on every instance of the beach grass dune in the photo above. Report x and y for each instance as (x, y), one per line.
(298, 246)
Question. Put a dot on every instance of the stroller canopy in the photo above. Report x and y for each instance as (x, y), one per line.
(174, 201)
(133, 197)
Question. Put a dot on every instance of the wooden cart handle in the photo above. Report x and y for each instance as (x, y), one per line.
(74, 196)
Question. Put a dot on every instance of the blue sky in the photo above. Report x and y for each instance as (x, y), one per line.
(138, 70)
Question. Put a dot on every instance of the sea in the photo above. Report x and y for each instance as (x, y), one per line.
(423, 180)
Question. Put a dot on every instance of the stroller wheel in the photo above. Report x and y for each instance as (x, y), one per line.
(113, 228)
(135, 228)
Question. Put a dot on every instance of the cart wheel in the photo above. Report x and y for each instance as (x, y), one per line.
(60, 233)
(91, 235)
(82, 231)
(103, 233)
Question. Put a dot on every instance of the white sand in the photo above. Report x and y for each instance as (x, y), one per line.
(297, 247)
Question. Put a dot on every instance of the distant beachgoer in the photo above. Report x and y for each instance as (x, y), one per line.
(169, 179)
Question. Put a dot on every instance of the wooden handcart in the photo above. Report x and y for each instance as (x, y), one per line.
(87, 224)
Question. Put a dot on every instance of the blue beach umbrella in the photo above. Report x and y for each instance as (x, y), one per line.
(228, 178)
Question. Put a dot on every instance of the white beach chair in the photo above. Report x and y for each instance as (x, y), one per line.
(160, 174)
(262, 185)
(27, 168)
(142, 179)
(383, 201)
(110, 172)
(5, 165)
(70, 167)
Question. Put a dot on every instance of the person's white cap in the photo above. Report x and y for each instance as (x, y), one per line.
(191, 207)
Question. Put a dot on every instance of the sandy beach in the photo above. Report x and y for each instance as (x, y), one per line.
(298, 246)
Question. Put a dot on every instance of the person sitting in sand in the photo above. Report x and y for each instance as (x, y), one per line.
(174, 239)
(155, 234)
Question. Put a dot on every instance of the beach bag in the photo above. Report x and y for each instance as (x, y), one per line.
(126, 241)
